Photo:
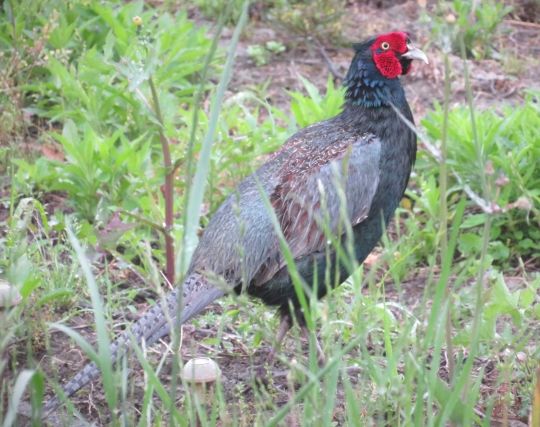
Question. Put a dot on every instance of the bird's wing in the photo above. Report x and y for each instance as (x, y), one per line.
(315, 187)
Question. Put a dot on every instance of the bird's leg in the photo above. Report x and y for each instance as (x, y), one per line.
(261, 372)
(284, 326)
(321, 358)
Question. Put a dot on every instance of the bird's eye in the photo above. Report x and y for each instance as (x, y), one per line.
(385, 45)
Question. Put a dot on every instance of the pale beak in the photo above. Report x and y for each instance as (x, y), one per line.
(415, 53)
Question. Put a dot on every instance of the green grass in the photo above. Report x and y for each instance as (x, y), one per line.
(456, 272)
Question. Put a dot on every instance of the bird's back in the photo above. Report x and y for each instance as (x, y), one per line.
(240, 242)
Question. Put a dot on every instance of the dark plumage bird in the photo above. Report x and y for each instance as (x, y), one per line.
(368, 148)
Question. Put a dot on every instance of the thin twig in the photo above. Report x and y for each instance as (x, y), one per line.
(328, 61)
(146, 221)
(532, 25)
(487, 207)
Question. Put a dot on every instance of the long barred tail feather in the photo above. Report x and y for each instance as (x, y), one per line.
(154, 324)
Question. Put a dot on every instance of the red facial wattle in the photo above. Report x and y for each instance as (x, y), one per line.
(385, 51)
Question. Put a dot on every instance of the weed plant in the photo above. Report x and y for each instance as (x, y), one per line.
(476, 24)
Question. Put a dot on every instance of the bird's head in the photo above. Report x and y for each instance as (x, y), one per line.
(393, 54)
(376, 66)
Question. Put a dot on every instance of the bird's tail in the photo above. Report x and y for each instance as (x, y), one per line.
(197, 293)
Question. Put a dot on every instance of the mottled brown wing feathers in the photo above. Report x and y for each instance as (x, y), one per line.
(297, 199)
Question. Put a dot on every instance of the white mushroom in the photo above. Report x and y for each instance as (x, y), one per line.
(201, 373)
(9, 295)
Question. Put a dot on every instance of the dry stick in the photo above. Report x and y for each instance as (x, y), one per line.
(532, 25)
(168, 188)
(487, 207)
(146, 221)
(329, 63)
(484, 205)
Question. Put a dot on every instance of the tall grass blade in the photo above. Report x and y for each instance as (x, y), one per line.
(353, 413)
(433, 322)
(443, 212)
(304, 390)
(288, 257)
(535, 413)
(180, 259)
(23, 379)
(79, 340)
(155, 383)
(197, 189)
(330, 389)
(104, 361)
(486, 231)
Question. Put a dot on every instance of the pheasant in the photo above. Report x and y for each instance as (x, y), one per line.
(356, 164)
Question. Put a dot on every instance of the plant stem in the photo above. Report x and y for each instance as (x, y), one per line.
(480, 155)
(443, 208)
(168, 187)
(486, 232)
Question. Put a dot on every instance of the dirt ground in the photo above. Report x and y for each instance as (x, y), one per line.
(491, 83)
(492, 86)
